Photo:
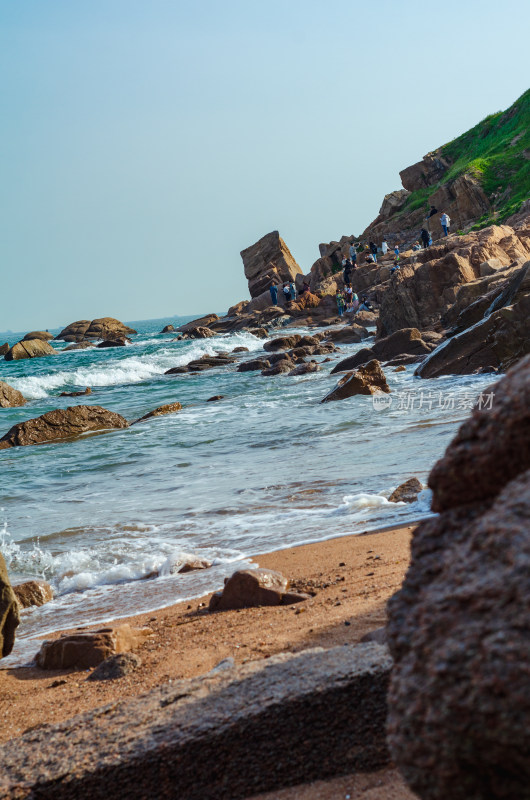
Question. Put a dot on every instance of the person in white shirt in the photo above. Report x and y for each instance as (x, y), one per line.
(445, 221)
(384, 247)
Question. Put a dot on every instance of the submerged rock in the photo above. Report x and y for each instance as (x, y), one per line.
(62, 423)
(4, 348)
(169, 408)
(88, 390)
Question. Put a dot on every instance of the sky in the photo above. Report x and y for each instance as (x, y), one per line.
(143, 145)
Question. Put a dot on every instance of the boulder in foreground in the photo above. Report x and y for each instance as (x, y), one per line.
(89, 648)
(9, 614)
(62, 423)
(9, 397)
(33, 348)
(227, 735)
(366, 380)
(459, 629)
(255, 587)
(33, 593)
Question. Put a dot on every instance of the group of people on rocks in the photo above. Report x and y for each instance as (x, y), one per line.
(288, 289)
(348, 301)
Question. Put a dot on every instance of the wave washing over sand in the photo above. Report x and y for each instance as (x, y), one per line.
(264, 469)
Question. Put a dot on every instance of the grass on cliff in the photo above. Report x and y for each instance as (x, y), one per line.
(497, 153)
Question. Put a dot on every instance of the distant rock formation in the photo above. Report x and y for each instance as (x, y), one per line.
(104, 328)
(44, 335)
(268, 261)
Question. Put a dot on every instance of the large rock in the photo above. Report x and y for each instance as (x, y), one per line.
(9, 614)
(359, 358)
(228, 735)
(33, 593)
(406, 492)
(201, 322)
(424, 173)
(9, 397)
(44, 335)
(367, 380)
(62, 423)
(348, 334)
(282, 343)
(407, 341)
(33, 348)
(89, 648)
(4, 348)
(268, 261)
(494, 343)
(254, 587)
(104, 328)
(459, 629)
(419, 294)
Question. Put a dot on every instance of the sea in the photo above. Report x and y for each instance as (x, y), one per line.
(267, 467)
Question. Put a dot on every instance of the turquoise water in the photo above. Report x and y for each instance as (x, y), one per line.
(267, 467)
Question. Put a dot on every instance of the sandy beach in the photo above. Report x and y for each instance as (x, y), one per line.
(352, 578)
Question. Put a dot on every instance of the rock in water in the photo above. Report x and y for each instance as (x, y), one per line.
(89, 648)
(33, 348)
(459, 629)
(33, 593)
(170, 408)
(366, 380)
(9, 615)
(4, 348)
(9, 397)
(62, 423)
(407, 492)
(255, 587)
(104, 328)
(268, 261)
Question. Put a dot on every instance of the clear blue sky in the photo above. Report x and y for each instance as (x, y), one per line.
(143, 144)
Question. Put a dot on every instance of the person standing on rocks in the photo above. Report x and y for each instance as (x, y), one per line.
(292, 289)
(396, 252)
(347, 273)
(286, 292)
(445, 222)
(373, 250)
(384, 247)
(353, 253)
(274, 294)
(340, 302)
(425, 236)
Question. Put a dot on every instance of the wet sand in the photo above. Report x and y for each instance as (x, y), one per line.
(352, 578)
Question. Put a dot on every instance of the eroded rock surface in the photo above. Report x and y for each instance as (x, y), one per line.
(255, 587)
(268, 261)
(9, 397)
(459, 629)
(367, 380)
(9, 614)
(62, 423)
(89, 648)
(32, 348)
(103, 328)
(33, 593)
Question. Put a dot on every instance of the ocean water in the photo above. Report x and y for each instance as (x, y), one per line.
(267, 467)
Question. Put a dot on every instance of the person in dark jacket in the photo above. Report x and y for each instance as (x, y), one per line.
(425, 236)
(373, 250)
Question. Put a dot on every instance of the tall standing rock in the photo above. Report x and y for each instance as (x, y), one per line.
(459, 629)
(9, 615)
(268, 261)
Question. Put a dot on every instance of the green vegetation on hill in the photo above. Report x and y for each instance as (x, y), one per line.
(497, 153)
